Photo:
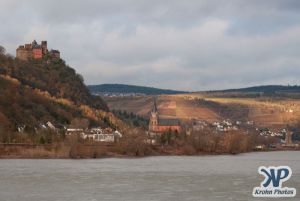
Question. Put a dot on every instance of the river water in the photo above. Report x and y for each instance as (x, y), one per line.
(175, 178)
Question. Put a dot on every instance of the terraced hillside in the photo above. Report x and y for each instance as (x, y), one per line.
(264, 111)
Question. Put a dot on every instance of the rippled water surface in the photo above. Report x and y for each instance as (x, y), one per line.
(175, 178)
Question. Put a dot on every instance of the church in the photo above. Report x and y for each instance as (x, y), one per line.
(160, 125)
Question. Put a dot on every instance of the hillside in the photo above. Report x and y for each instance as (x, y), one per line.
(21, 105)
(40, 99)
(122, 88)
(264, 111)
(54, 76)
(35, 92)
(264, 89)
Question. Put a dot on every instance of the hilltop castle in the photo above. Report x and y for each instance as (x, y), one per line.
(36, 51)
(160, 125)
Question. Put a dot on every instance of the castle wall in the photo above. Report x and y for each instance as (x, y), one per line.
(28, 46)
(37, 53)
(23, 54)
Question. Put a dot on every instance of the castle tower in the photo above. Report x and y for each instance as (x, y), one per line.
(34, 44)
(153, 123)
(44, 47)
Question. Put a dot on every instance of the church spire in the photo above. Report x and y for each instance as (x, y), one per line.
(153, 123)
(154, 109)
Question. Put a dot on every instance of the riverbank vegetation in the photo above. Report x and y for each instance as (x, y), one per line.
(134, 144)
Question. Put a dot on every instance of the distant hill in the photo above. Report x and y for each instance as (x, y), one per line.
(122, 88)
(264, 89)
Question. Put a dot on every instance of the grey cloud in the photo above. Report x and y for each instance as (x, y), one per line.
(190, 45)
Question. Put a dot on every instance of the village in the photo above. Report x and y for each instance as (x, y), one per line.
(281, 138)
(159, 125)
(95, 134)
(248, 127)
(116, 94)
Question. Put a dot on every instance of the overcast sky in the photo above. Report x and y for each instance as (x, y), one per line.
(177, 44)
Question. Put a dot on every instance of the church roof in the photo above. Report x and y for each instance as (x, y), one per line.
(168, 122)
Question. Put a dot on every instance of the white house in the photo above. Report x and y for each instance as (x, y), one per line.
(96, 130)
(50, 125)
(118, 134)
(72, 131)
(87, 136)
(107, 137)
(104, 137)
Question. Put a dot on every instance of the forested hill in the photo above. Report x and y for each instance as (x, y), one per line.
(53, 76)
(265, 89)
(34, 92)
(122, 88)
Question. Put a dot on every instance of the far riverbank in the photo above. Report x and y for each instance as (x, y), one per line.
(77, 151)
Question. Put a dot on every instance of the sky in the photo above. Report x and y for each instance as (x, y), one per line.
(174, 44)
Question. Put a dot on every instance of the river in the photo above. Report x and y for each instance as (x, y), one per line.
(174, 178)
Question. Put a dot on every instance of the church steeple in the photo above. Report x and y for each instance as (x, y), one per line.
(153, 123)
(154, 109)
